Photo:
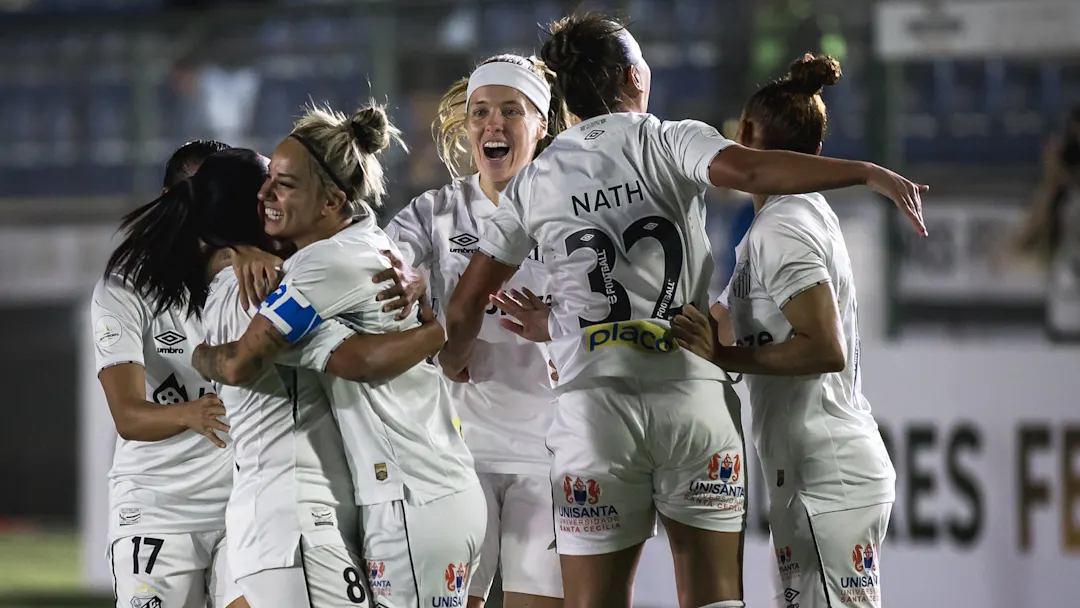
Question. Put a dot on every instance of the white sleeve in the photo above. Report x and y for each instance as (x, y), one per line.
(119, 318)
(786, 256)
(692, 146)
(314, 350)
(322, 283)
(505, 236)
(723, 299)
(411, 229)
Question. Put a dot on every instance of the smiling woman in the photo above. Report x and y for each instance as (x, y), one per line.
(517, 92)
(490, 126)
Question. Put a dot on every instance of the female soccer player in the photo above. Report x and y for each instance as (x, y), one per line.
(496, 120)
(169, 484)
(790, 310)
(291, 519)
(423, 512)
(615, 205)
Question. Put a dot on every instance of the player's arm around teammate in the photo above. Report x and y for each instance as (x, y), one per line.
(165, 546)
(791, 304)
(412, 471)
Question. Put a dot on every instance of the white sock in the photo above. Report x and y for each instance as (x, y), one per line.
(726, 604)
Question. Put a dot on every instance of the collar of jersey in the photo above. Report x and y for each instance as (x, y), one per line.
(605, 122)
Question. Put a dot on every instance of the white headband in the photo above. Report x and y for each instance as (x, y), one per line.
(531, 85)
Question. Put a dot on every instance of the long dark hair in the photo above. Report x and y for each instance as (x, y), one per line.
(169, 241)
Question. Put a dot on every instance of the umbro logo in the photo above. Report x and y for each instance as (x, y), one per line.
(790, 594)
(464, 240)
(168, 340)
(594, 134)
(466, 243)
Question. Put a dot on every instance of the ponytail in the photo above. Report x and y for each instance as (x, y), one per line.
(160, 257)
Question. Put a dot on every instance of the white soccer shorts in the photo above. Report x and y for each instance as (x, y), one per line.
(624, 448)
(330, 577)
(519, 538)
(828, 560)
(174, 570)
(421, 556)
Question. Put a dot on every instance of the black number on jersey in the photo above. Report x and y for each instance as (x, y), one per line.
(138, 541)
(600, 279)
(355, 589)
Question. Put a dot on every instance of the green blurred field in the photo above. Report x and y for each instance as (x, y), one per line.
(41, 569)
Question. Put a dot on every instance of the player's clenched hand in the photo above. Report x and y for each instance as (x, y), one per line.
(258, 273)
(904, 193)
(201, 416)
(409, 286)
(530, 311)
(693, 331)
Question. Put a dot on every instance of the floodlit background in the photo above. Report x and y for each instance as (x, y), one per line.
(979, 406)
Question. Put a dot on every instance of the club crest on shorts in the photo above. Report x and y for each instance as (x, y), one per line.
(581, 492)
(380, 586)
(726, 470)
(864, 586)
(583, 510)
(380, 471)
(455, 577)
(145, 597)
(788, 567)
(863, 558)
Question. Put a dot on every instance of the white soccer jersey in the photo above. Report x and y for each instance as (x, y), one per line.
(400, 435)
(507, 407)
(813, 432)
(616, 205)
(177, 485)
(291, 474)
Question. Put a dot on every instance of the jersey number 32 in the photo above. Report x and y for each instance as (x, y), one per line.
(600, 279)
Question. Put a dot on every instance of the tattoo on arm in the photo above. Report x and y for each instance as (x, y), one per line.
(210, 360)
(239, 362)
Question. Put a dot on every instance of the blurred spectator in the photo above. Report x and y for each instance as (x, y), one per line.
(1052, 230)
(219, 82)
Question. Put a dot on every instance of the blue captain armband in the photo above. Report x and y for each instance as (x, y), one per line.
(291, 313)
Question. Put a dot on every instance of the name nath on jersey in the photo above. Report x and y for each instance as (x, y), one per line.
(588, 202)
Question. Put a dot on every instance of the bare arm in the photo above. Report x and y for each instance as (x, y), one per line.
(783, 172)
(816, 348)
(465, 314)
(137, 419)
(725, 334)
(373, 357)
(239, 362)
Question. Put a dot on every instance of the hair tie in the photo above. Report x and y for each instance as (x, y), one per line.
(319, 159)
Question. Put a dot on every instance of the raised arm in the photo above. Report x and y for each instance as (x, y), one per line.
(705, 157)
(783, 172)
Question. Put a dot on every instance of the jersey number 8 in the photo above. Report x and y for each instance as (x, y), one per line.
(600, 280)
